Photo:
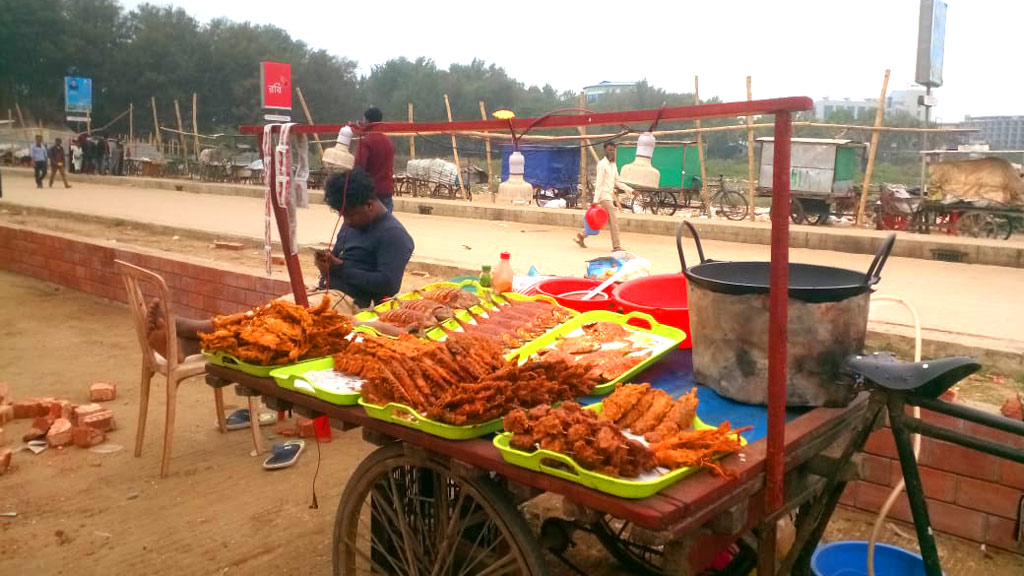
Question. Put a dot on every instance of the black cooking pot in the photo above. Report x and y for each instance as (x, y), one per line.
(807, 282)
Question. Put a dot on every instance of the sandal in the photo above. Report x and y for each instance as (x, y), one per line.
(284, 455)
(239, 419)
(580, 240)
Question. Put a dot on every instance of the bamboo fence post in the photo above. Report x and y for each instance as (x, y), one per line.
(195, 124)
(181, 130)
(309, 117)
(412, 137)
(455, 149)
(88, 123)
(750, 155)
(584, 196)
(487, 150)
(21, 119)
(156, 125)
(131, 122)
(879, 113)
(700, 151)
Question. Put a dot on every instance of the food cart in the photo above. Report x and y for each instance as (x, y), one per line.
(419, 501)
(822, 177)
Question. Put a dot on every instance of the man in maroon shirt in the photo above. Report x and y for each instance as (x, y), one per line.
(376, 155)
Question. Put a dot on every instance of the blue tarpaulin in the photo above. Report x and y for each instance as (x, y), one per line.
(546, 166)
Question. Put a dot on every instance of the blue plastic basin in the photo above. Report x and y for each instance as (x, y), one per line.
(850, 558)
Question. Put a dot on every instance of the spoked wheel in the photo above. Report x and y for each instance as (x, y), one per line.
(732, 205)
(971, 224)
(796, 211)
(664, 203)
(402, 514)
(629, 549)
(815, 212)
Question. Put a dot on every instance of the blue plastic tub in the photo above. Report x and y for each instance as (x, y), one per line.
(850, 558)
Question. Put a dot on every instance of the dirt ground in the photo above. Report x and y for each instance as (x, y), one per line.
(219, 512)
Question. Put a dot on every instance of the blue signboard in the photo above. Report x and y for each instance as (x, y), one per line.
(77, 94)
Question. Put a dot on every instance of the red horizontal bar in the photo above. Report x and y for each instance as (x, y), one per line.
(702, 112)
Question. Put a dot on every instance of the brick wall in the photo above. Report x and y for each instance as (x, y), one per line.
(971, 495)
(197, 289)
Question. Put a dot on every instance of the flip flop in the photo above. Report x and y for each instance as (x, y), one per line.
(284, 455)
(239, 419)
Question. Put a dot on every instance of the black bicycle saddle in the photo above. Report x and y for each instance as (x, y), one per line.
(929, 379)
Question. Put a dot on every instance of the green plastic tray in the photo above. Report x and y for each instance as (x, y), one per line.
(671, 333)
(573, 472)
(229, 361)
(293, 378)
(406, 416)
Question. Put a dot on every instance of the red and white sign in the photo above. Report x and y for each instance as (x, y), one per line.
(276, 80)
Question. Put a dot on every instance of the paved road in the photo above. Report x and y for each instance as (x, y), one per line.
(971, 304)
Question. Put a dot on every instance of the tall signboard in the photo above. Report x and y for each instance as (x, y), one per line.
(931, 40)
(276, 85)
(77, 97)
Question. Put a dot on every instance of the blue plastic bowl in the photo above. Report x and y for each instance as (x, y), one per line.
(850, 558)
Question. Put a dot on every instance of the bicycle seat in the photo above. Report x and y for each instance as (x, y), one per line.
(929, 379)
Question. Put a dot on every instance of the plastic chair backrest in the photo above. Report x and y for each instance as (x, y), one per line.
(134, 277)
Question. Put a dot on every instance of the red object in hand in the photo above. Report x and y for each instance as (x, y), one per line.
(596, 217)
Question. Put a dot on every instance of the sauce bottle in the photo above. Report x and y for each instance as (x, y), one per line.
(485, 275)
(502, 277)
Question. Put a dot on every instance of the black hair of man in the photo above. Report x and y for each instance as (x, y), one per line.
(610, 145)
(360, 189)
(373, 114)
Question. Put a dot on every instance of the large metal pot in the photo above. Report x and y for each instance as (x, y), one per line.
(828, 316)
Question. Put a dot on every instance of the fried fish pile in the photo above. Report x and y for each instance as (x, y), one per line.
(279, 333)
(649, 412)
(593, 443)
(606, 363)
(461, 381)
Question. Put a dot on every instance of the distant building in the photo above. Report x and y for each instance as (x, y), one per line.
(999, 132)
(605, 87)
(896, 101)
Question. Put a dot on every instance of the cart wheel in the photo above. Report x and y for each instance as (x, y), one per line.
(635, 555)
(732, 205)
(997, 227)
(665, 203)
(796, 211)
(408, 514)
(971, 224)
(815, 212)
(536, 197)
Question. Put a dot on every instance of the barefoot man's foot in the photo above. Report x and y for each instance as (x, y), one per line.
(156, 328)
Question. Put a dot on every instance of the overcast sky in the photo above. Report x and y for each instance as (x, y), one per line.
(824, 47)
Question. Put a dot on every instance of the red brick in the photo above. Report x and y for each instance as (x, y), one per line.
(875, 469)
(60, 433)
(243, 281)
(849, 496)
(871, 497)
(880, 443)
(959, 460)
(5, 394)
(33, 433)
(989, 497)
(5, 460)
(85, 437)
(948, 422)
(43, 423)
(102, 392)
(937, 484)
(999, 436)
(1002, 533)
(61, 409)
(286, 428)
(1010, 473)
(103, 420)
(956, 520)
(254, 298)
(307, 428)
(6, 414)
(30, 408)
(3, 438)
(85, 410)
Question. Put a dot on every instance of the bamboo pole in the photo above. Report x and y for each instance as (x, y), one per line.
(455, 149)
(21, 119)
(700, 150)
(88, 123)
(309, 117)
(181, 130)
(583, 156)
(195, 124)
(131, 123)
(879, 112)
(487, 150)
(412, 137)
(750, 156)
(156, 125)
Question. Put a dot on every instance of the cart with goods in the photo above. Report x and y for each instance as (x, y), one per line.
(553, 171)
(429, 178)
(485, 411)
(823, 177)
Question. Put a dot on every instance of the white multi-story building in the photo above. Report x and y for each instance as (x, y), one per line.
(999, 132)
(896, 101)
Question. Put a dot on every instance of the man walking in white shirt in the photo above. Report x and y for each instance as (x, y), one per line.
(605, 188)
(39, 155)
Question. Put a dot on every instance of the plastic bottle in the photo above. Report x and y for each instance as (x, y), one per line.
(485, 276)
(502, 277)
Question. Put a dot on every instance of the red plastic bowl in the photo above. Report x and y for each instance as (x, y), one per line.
(663, 296)
(558, 287)
(596, 217)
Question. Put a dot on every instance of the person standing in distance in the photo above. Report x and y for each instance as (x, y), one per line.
(57, 156)
(606, 187)
(39, 155)
(376, 156)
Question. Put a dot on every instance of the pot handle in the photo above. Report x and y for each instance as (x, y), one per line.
(679, 243)
(875, 271)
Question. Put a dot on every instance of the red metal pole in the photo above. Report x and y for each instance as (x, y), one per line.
(778, 314)
(281, 215)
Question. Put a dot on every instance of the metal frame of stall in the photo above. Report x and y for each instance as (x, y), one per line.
(781, 108)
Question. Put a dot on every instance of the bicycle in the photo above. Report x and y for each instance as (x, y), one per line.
(729, 203)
